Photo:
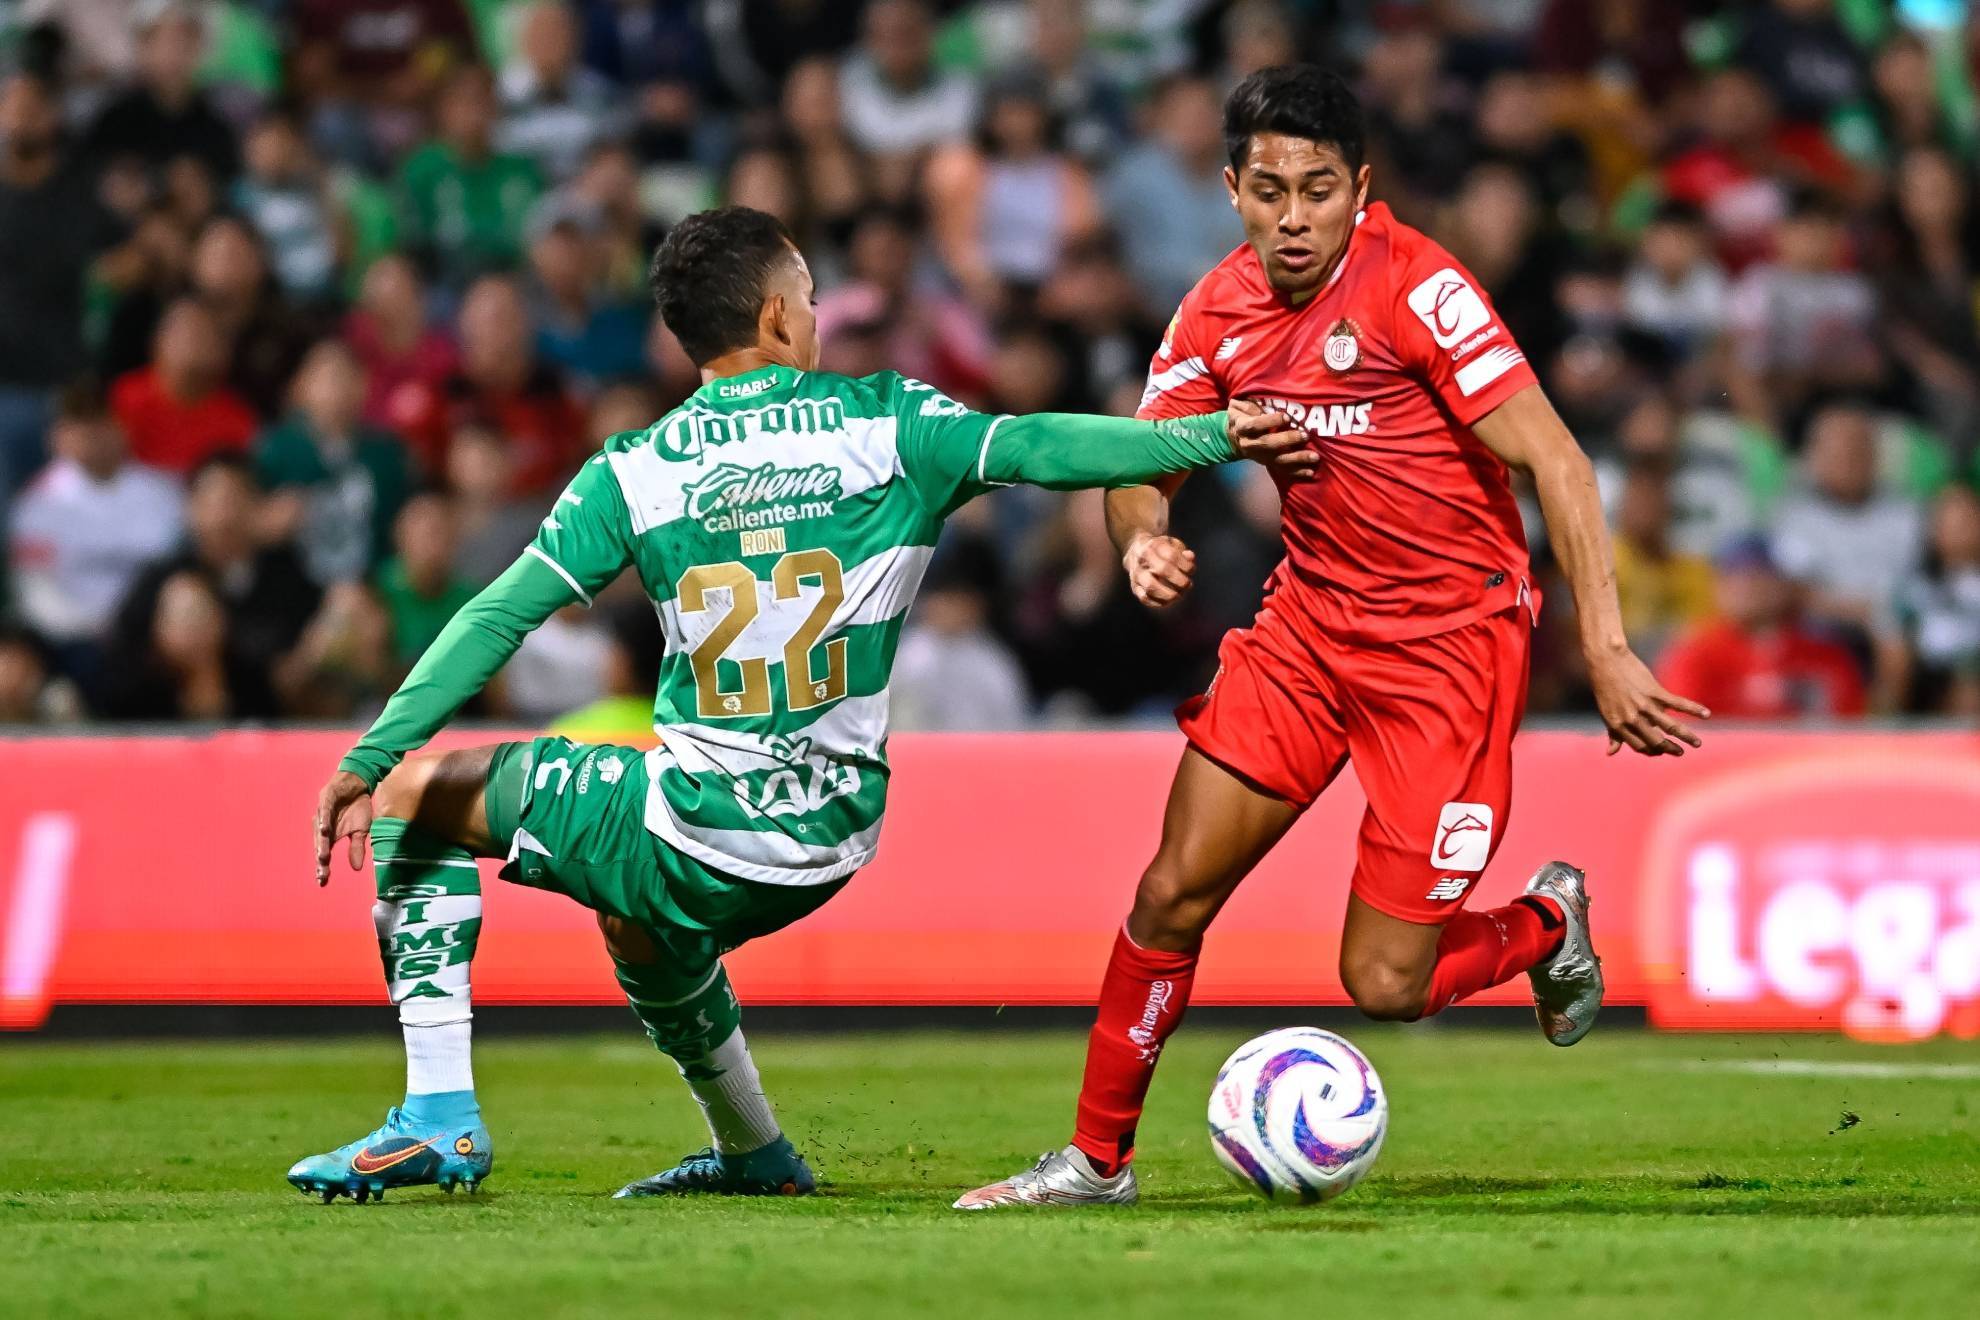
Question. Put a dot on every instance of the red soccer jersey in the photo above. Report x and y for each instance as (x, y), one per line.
(1411, 528)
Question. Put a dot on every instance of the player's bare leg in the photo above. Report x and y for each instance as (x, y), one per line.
(428, 825)
(1397, 970)
(1216, 829)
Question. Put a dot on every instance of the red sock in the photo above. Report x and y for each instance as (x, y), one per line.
(1142, 1000)
(1479, 949)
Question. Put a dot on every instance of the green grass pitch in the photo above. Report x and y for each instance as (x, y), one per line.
(1635, 1175)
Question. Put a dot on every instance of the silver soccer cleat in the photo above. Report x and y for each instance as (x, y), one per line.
(1061, 1177)
(1567, 988)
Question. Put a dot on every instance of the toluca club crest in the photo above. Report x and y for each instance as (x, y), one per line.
(1342, 351)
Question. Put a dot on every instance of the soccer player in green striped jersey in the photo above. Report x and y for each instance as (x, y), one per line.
(780, 521)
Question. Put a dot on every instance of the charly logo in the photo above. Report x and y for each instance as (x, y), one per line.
(736, 498)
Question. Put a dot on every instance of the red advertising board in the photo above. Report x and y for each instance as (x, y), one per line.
(1824, 881)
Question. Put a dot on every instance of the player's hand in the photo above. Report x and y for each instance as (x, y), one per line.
(343, 809)
(1637, 709)
(1271, 439)
(1159, 569)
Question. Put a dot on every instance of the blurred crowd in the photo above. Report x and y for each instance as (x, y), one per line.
(309, 307)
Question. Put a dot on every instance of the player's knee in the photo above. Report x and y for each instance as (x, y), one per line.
(1170, 913)
(1385, 991)
(627, 942)
(398, 795)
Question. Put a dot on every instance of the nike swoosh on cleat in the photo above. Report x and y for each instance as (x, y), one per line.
(365, 1162)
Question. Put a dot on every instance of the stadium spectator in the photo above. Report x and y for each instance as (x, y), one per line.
(1662, 589)
(502, 381)
(265, 334)
(553, 107)
(335, 484)
(48, 209)
(1939, 610)
(1746, 164)
(368, 68)
(896, 102)
(494, 524)
(1804, 321)
(1080, 89)
(31, 692)
(1800, 48)
(182, 665)
(1417, 129)
(1756, 661)
(419, 586)
(84, 529)
(1675, 290)
(1513, 124)
(179, 410)
(1169, 245)
(1003, 211)
(166, 115)
(1850, 543)
(913, 324)
(630, 673)
(404, 355)
(604, 202)
(562, 664)
(264, 596)
(952, 672)
(580, 328)
(465, 201)
(1929, 270)
(283, 195)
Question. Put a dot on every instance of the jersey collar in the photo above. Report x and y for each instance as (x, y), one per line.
(763, 380)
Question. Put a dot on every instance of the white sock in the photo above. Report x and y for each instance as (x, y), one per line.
(738, 1113)
(437, 1056)
(434, 993)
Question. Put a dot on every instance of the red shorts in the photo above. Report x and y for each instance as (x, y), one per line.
(1428, 723)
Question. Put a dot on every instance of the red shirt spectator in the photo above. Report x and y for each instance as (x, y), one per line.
(1757, 662)
(405, 359)
(177, 411)
(502, 384)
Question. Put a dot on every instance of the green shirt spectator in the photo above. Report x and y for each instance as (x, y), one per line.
(418, 586)
(465, 202)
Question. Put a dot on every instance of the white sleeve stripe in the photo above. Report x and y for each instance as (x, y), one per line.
(1487, 367)
(561, 572)
(983, 454)
(1161, 382)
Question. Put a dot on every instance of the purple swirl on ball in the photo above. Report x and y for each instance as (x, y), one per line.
(1319, 1152)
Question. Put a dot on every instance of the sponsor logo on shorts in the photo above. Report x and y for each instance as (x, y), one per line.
(1464, 837)
(1448, 888)
(1449, 306)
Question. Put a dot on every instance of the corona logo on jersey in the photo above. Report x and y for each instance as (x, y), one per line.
(1840, 893)
(1325, 420)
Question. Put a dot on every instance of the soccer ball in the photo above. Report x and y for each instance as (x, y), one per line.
(1298, 1115)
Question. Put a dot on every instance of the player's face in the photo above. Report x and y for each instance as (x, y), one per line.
(1297, 199)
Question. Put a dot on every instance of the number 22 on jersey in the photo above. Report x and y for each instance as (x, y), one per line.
(804, 688)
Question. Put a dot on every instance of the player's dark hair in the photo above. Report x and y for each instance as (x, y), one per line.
(1299, 100)
(709, 277)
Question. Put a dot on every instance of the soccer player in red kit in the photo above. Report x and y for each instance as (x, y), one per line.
(1395, 633)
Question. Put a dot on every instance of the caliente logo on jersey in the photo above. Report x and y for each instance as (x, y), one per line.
(1449, 306)
(735, 498)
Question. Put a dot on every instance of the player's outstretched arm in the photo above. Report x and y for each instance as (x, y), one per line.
(469, 651)
(1528, 434)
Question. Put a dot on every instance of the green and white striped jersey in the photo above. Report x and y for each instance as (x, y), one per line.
(781, 521)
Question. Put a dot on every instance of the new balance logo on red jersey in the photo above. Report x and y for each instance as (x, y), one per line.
(1463, 841)
(1448, 888)
(1227, 349)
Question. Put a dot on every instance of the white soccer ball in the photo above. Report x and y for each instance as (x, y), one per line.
(1298, 1115)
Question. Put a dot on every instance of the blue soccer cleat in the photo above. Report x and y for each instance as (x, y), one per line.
(406, 1152)
(773, 1170)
